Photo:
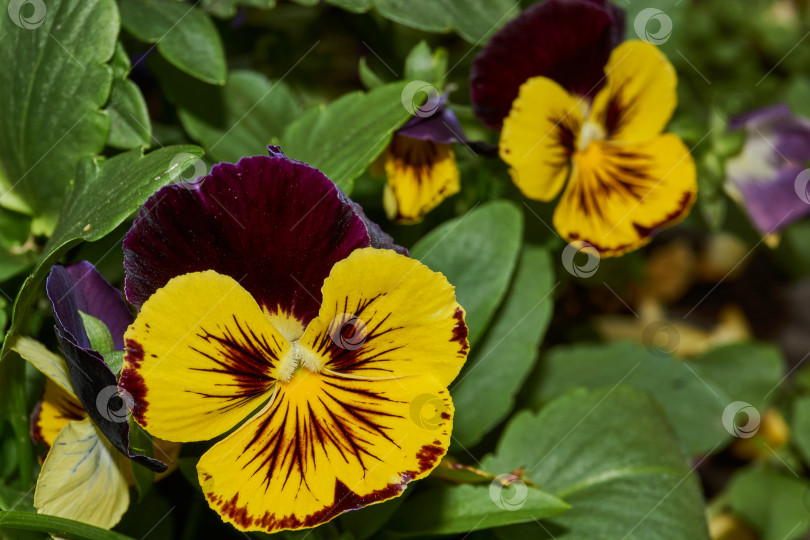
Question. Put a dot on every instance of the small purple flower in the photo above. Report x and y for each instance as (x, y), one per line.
(769, 178)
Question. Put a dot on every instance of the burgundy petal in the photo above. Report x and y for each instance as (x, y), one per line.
(275, 225)
(568, 41)
(79, 287)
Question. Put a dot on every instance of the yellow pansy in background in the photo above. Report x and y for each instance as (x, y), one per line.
(420, 165)
(621, 179)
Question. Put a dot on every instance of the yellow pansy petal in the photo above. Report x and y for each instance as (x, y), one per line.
(56, 409)
(81, 479)
(326, 445)
(200, 357)
(539, 136)
(421, 174)
(387, 315)
(640, 95)
(619, 195)
(49, 364)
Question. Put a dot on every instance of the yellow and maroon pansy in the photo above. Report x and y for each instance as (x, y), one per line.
(271, 315)
(420, 165)
(596, 140)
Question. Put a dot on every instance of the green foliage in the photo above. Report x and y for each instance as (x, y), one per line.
(183, 34)
(484, 392)
(693, 394)
(323, 138)
(477, 252)
(611, 455)
(55, 80)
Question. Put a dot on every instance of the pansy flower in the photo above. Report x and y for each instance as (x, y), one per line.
(767, 178)
(271, 313)
(420, 165)
(582, 118)
(82, 419)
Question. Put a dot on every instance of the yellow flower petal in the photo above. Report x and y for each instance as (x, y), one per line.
(326, 445)
(49, 364)
(81, 479)
(387, 315)
(359, 404)
(56, 409)
(620, 194)
(640, 95)
(539, 136)
(421, 174)
(200, 357)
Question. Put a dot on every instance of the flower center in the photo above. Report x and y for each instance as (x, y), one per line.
(296, 358)
(591, 131)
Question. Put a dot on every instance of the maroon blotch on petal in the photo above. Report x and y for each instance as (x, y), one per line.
(568, 41)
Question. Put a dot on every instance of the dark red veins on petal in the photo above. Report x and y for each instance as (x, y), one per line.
(274, 224)
(568, 41)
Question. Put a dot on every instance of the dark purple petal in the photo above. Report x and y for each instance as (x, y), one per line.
(275, 225)
(568, 41)
(79, 287)
(441, 127)
(773, 204)
(97, 390)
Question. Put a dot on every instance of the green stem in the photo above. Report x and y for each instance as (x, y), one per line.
(61, 527)
(13, 374)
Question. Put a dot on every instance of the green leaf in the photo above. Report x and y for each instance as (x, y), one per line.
(367, 76)
(185, 36)
(364, 522)
(114, 361)
(54, 81)
(800, 426)
(612, 456)
(477, 252)
(130, 126)
(56, 526)
(11, 498)
(747, 372)
(424, 65)
(355, 6)
(343, 138)
(97, 332)
(140, 442)
(484, 392)
(693, 394)
(447, 509)
(225, 9)
(236, 120)
(770, 502)
(474, 20)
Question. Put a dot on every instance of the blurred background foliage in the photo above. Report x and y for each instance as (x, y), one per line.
(606, 391)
